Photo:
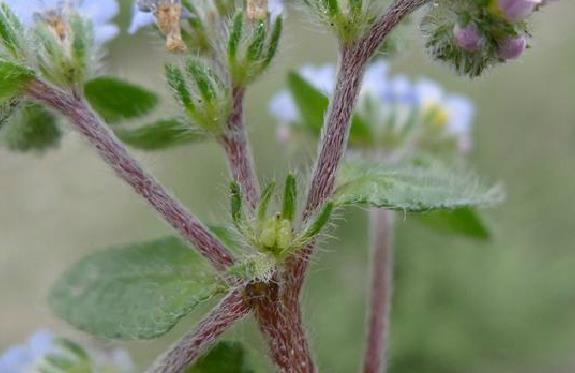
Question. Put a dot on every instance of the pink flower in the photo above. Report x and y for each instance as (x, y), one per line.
(468, 37)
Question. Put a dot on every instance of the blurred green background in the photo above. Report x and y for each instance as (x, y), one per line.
(460, 306)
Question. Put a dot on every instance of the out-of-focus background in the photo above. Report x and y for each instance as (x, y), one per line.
(507, 305)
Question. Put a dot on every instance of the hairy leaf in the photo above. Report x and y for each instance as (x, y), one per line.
(115, 99)
(161, 135)
(32, 128)
(139, 291)
(411, 188)
(225, 357)
(13, 79)
(463, 222)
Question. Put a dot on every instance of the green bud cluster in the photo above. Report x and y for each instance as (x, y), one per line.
(470, 35)
(202, 93)
(275, 234)
(252, 45)
(347, 18)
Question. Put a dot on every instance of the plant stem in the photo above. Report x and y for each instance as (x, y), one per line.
(352, 61)
(380, 291)
(230, 310)
(238, 152)
(279, 318)
(127, 168)
(333, 145)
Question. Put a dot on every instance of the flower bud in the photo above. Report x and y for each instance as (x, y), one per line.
(516, 10)
(512, 47)
(468, 38)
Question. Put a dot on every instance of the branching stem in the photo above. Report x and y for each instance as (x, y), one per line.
(115, 154)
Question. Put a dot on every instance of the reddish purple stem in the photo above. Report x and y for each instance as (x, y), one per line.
(380, 291)
(183, 354)
(235, 143)
(127, 168)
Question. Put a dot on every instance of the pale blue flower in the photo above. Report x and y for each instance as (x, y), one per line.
(140, 19)
(99, 12)
(283, 107)
(20, 359)
(455, 112)
(32, 357)
(321, 77)
(276, 8)
(376, 78)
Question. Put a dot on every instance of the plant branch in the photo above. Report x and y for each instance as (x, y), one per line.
(352, 62)
(127, 168)
(230, 310)
(279, 318)
(380, 291)
(235, 143)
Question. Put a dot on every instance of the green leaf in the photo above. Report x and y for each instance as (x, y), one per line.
(256, 46)
(13, 79)
(138, 291)
(319, 222)
(411, 188)
(235, 35)
(32, 128)
(463, 222)
(290, 198)
(236, 203)
(225, 357)
(11, 31)
(265, 200)
(115, 99)
(313, 104)
(162, 134)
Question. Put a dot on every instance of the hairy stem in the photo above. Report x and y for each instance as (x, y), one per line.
(230, 310)
(380, 291)
(352, 62)
(279, 318)
(238, 152)
(127, 168)
(333, 145)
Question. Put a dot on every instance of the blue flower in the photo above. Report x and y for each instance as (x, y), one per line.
(389, 104)
(451, 113)
(33, 357)
(99, 12)
(140, 19)
(19, 359)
